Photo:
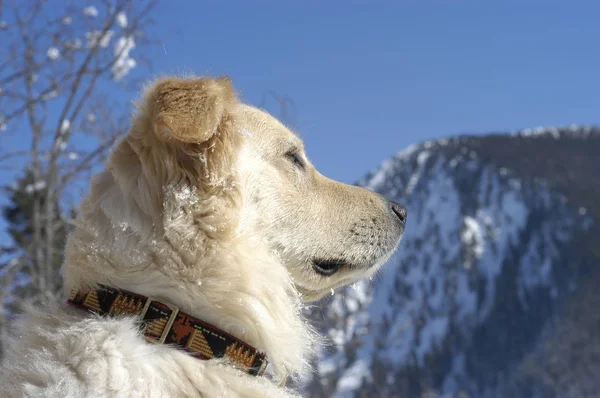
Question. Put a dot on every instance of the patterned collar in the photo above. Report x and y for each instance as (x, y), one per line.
(165, 324)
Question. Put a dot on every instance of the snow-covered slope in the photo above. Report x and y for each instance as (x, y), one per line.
(487, 258)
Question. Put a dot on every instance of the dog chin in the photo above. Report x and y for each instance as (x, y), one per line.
(309, 294)
(357, 273)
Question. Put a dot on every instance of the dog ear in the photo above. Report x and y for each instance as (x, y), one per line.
(190, 110)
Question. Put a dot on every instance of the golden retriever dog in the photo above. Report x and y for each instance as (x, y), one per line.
(193, 255)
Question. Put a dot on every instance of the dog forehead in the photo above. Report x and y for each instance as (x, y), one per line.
(264, 129)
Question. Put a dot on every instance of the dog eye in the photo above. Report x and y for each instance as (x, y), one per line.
(296, 159)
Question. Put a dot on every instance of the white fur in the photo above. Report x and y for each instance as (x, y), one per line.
(226, 229)
(71, 354)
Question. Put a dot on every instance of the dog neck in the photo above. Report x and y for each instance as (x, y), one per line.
(165, 324)
(237, 286)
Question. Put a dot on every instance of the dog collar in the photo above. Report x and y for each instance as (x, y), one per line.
(165, 324)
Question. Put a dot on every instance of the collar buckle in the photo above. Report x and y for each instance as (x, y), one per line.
(158, 318)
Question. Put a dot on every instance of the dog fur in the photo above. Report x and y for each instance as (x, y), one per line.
(211, 205)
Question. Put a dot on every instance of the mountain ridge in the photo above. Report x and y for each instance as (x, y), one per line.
(500, 232)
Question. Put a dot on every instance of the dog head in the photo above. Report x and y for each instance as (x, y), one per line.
(326, 233)
(217, 169)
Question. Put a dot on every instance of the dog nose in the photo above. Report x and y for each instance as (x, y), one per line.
(399, 211)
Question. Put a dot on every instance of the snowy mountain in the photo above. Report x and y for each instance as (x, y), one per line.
(491, 293)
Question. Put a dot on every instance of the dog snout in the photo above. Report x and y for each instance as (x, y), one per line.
(399, 211)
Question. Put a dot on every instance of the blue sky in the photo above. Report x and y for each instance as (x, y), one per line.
(369, 78)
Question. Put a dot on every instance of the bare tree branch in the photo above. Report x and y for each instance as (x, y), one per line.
(53, 64)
